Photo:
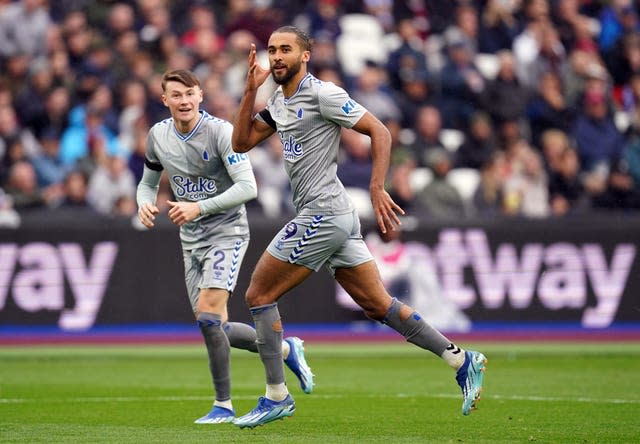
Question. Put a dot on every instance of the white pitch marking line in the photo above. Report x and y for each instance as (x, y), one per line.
(91, 399)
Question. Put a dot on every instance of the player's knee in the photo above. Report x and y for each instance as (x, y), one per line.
(376, 312)
(256, 298)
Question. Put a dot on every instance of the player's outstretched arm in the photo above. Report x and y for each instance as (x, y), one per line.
(248, 132)
(385, 209)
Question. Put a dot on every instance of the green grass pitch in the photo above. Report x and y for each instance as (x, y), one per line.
(365, 393)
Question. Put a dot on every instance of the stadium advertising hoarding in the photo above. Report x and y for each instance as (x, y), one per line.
(585, 273)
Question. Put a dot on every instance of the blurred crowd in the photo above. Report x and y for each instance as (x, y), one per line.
(496, 107)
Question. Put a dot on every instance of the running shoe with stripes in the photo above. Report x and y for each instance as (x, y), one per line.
(298, 365)
(469, 378)
(217, 415)
(266, 411)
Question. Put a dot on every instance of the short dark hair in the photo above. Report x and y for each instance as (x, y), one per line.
(184, 76)
(302, 38)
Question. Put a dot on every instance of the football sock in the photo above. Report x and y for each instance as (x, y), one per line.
(242, 336)
(218, 350)
(269, 331)
(453, 355)
(416, 330)
(226, 404)
(276, 392)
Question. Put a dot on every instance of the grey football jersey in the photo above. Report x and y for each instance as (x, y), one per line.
(198, 165)
(309, 124)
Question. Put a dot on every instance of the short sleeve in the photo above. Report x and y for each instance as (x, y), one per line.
(338, 107)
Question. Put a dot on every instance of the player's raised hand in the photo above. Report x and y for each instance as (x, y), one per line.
(386, 210)
(147, 214)
(257, 74)
(182, 212)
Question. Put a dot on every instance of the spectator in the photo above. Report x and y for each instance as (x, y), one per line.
(548, 109)
(488, 199)
(109, 183)
(624, 60)
(323, 19)
(86, 129)
(598, 141)
(63, 74)
(121, 19)
(9, 217)
(553, 144)
(98, 67)
(325, 55)
(156, 26)
(566, 191)
(584, 68)
(616, 19)
(77, 36)
(14, 153)
(56, 108)
(428, 131)
(11, 131)
(439, 199)
(23, 189)
(498, 26)
(6, 93)
(462, 84)
(466, 23)
(236, 51)
(575, 30)
(354, 169)
(30, 102)
(505, 97)
(16, 70)
(526, 190)
(382, 11)
(48, 167)
(479, 142)
(371, 92)
(261, 20)
(631, 157)
(68, 61)
(417, 91)
(75, 192)
(408, 61)
(132, 105)
(125, 206)
(23, 28)
(537, 50)
(202, 38)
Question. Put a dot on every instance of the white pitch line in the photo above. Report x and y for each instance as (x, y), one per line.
(90, 399)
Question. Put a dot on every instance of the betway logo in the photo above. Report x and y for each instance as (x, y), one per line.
(559, 274)
(36, 273)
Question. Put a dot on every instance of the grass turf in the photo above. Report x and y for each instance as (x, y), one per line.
(373, 393)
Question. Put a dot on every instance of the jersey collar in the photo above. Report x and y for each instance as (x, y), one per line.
(185, 137)
(308, 76)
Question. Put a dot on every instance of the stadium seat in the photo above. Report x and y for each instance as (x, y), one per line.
(419, 178)
(361, 201)
(465, 180)
(451, 139)
(622, 120)
(488, 65)
(434, 47)
(270, 198)
(362, 39)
